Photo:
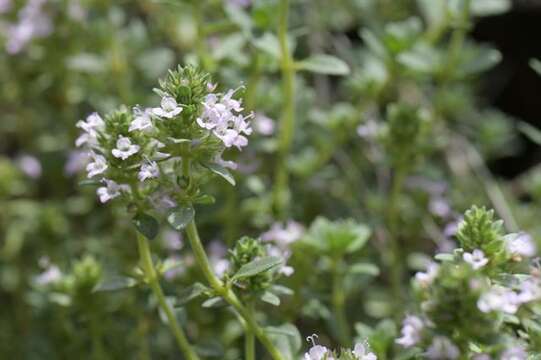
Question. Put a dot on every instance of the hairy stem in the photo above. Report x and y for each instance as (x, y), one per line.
(287, 121)
(152, 278)
(226, 293)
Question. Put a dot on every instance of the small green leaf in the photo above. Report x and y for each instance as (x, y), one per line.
(270, 298)
(282, 290)
(268, 43)
(257, 266)
(213, 302)
(188, 294)
(536, 65)
(115, 282)
(324, 64)
(444, 257)
(180, 217)
(146, 225)
(533, 133)
(221, 171)
(364, 269)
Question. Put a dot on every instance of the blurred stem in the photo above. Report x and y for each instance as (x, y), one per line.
(152, 278)
(392, 223)
(287, 121)
(338, 303)
(249, 337)
(226, 293)
(97, 343)
(253, 82)
(457, 40)
(201, 48)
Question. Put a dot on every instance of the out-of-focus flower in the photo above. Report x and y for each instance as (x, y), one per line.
(520, 244)
(141, 119)
(77, 161)
(476, 259)
(172, 240)
(412, 328)
(111, 190)
(514, 353)
(426, 278)
(362, 352)
(5, 6)
(368, 130)
(149, 170)
(284, 235)
(33, 22)
(97, 166)
(263, 124)
(499, 299)
(317, 352)
(529, 290)
(29, 165)
(439, 206)
(91, 126)
(51, 275)
(442, 348)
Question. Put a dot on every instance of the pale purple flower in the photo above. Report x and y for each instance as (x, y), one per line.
(263, 124)
(141, 119)
(217, 252)
(111, 190)
(476, 258)
(481, 357)
(412, 328)
(172, 240)
(33, 22)
(529, 290)
(520, 244)
(451, 228)
(29, 165)
(149, 170)
(77, 161)
(225, 163)
(426, 278)
(51, 275)
(499, 299)
(5, 6)
(162, 202)
(168, 108)
(442, 348)
(446, 245)
(91, 127)
(284, 254)
(284, 235)
(124, 148)
(362, 352)
(220, 266)
(97, 166)
(368, 130)
(76, 11)
(514, 353)
(176, 271)
(439, 206)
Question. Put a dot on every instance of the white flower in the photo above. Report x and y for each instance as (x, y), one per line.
(520, 244)
(284, 254)
(426, 278)
(172, 240)
(263, 124)
(284, 234)
(169, 108)
(111, 190)
(51, 275)
(368, 130)
(91, 126)
(225, 163)
(362, 353)
(124, 148)
(442, 348)
(318, 352)
(499, 299)
(76, 161)
(220, 266)
(149, 170)
(411, 332)
(97, 166)
(29, 165)
(529, 290)
(476, 259)
(514, 353)
(141, 120)
(439, 206)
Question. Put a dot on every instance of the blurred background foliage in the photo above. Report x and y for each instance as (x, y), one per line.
(436, 110)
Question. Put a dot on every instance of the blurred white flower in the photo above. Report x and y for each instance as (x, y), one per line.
(529, 290)
(77, 161)
(284, 235)
(29, 165)
(172, 240)
(93, 124)
(33, 22)
(442, 348)
(520, 244)
(476, 258)
(5, 6)
(168, 108)
(439, 206)
(499, 299)
(426, 278)
(362, 353)
(124, 148)
(51, 275)
(317, 352)
(141, 119)
(411, 331)
(111, 190)
(514, 353)
(263, 124)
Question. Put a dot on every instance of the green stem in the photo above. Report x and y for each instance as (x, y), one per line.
(338, 303)
(152, 278)
(226, 293)
(249, 345)
(287, 121)
(392, 222)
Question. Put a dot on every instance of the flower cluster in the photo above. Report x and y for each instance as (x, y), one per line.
(320, 352)
(465, 297)
(280, 238)
(156, 157)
